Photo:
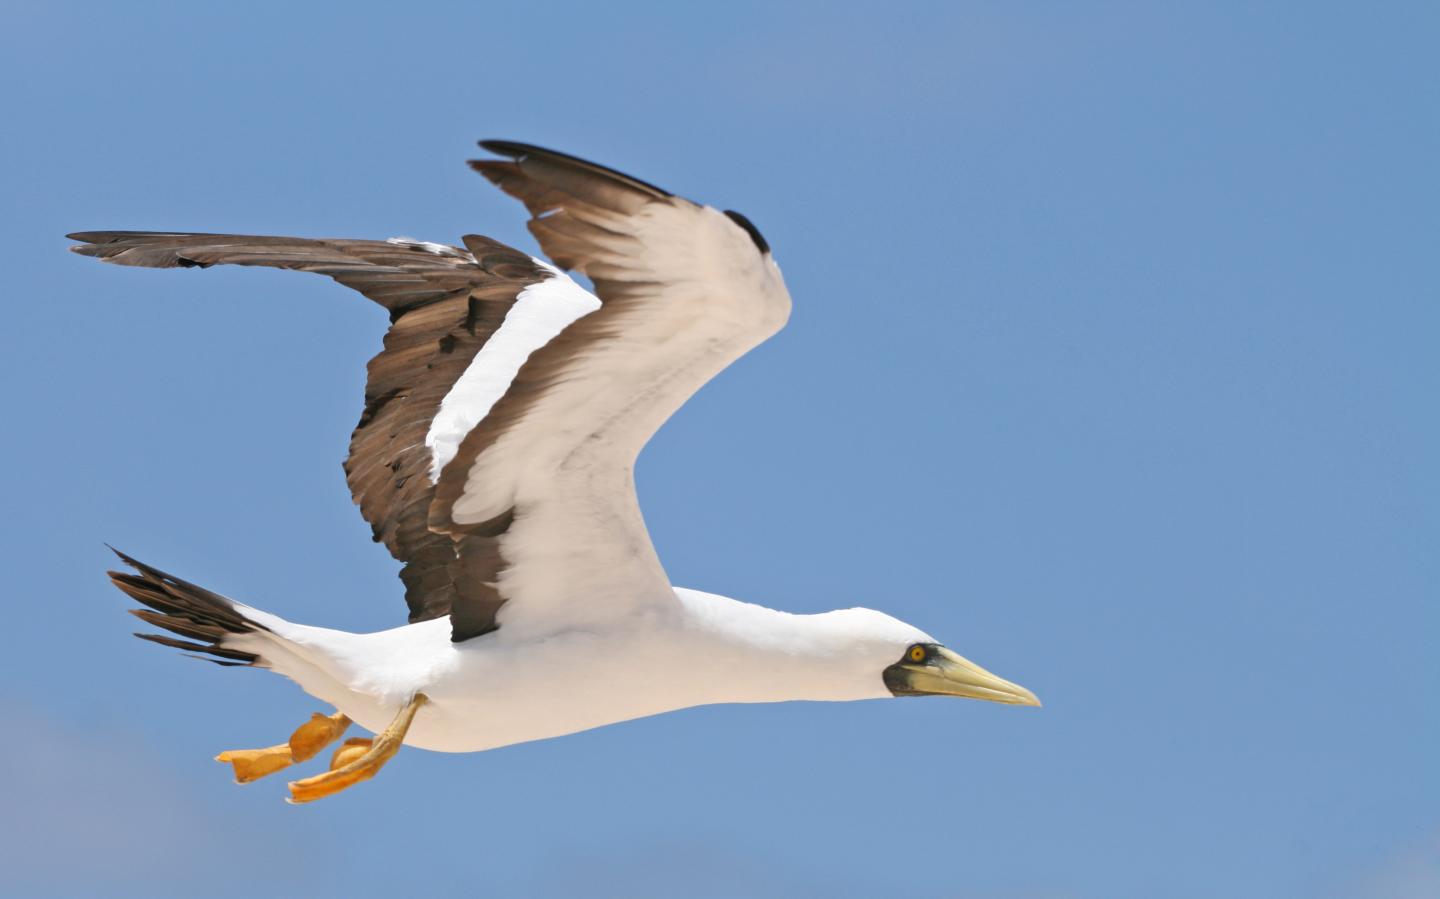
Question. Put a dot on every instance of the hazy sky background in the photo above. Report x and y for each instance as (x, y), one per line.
(1113, 365)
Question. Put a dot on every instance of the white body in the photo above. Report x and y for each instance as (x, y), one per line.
(500, 689)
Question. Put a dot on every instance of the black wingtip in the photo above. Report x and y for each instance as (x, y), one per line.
(88, 245)
(512, 148)
(103, 236)
(517, 150)
(760, 242)
(137, 564)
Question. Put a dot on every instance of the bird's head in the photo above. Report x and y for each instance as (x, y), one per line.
(930, 669)
(912, 663)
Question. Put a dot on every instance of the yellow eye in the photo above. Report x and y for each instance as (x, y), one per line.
(917, 653)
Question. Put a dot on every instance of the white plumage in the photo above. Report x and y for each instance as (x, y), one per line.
(541, 311)
(509, 688)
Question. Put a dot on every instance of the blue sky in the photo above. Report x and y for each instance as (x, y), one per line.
(1113, 365)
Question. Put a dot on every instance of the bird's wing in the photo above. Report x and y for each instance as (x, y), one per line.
(446, 304)
(504, 416)
(684, 291)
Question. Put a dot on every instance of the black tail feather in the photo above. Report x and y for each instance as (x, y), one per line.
(185, 609)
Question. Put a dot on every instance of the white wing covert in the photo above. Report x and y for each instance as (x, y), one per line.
(684, 290)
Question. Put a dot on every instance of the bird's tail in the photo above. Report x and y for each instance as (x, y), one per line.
(218, 629)
(206, 619)
(336, 667)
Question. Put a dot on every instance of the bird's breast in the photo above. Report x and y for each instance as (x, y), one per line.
(498, 693)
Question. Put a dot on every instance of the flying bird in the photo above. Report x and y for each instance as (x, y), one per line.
(494, 458)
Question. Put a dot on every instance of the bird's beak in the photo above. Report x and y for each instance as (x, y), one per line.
(947, 673)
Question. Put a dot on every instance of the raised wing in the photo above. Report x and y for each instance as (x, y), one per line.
(685, 290)
(446, 304)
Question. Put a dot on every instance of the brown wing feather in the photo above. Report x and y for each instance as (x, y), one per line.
(443, 305)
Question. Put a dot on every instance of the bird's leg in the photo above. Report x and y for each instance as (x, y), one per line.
(358, 759)
(309, 738)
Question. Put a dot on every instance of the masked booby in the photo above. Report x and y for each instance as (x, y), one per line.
(494, 459)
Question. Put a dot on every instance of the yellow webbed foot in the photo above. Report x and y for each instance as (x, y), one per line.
(350, 751)
(358, 759)
(317, 733)
(309, 738)
(253, 764)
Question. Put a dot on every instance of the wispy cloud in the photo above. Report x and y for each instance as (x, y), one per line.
(1412, 872)
(705, 871)
(89, 810)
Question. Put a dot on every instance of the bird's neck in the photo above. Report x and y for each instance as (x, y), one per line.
(744, 652)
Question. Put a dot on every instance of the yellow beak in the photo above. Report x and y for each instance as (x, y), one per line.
(947, 673)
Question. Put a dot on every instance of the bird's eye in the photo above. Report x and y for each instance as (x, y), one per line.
(918, 653)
